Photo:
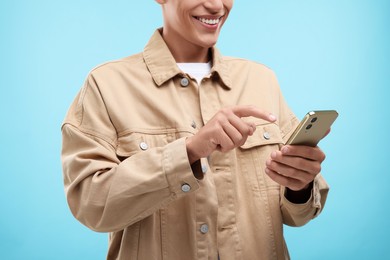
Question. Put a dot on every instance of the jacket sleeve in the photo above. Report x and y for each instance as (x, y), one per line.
(298, 214)
(105, 193)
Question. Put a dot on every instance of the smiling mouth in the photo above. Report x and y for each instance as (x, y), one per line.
(209, 21)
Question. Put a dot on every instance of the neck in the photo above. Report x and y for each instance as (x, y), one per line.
(184, 51)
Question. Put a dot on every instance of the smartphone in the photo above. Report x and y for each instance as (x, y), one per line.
(313, 127)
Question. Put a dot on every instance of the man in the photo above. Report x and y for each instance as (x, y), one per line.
(178, 151)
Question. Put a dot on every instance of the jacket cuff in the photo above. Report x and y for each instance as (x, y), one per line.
(300, 214)
(178, 171)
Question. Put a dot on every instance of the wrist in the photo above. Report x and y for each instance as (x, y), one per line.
(299, 196)
(192, 156)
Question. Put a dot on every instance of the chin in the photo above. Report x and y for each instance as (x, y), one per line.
(208, 43)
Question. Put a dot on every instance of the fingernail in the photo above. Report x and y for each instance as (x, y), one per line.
(273, 154)
(272, 117)
(284, 150)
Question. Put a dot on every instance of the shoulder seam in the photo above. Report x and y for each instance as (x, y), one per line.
(135, 58)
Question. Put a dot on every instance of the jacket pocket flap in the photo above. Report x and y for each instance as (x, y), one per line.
(137, 142)
(264, 134)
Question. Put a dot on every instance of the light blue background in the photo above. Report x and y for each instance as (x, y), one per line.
(330, 54)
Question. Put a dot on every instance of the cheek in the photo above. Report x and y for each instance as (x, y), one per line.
(183, 20)
(228, 4)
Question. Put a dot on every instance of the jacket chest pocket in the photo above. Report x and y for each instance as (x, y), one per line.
(254, 153)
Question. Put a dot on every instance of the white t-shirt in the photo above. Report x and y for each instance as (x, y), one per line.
(196, 70)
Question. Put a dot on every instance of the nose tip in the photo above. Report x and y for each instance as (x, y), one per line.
(214, 6)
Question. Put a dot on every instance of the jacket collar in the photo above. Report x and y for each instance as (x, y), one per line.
(162, 65)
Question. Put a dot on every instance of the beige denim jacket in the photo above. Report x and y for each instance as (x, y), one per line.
(126, 169)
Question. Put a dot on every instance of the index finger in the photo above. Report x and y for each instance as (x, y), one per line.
(249, 110)
(308, 152)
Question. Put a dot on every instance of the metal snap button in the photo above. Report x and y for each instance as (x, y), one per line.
(144, 146)
(204, 228)
(185, 187)
(266, 136)
(184, 82)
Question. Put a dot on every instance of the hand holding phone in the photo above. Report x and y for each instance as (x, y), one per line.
(313, 127)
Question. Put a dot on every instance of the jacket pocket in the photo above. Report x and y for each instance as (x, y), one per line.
(254, 153)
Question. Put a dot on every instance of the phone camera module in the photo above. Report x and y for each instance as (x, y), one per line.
(308, 126)
(313, 120)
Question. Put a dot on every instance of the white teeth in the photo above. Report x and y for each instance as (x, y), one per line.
(209, 21)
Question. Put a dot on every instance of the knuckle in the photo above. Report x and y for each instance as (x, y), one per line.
(216, 129)
(307, 180)
(293, 186)
(296, 185)
(239, 137)
(220, 117)
(301, 185)
(240, 142)
(314, 168)
(249, 129)
(290, 172)
(226, 111)
(273, 165)
(229, 147)
(251, 107)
